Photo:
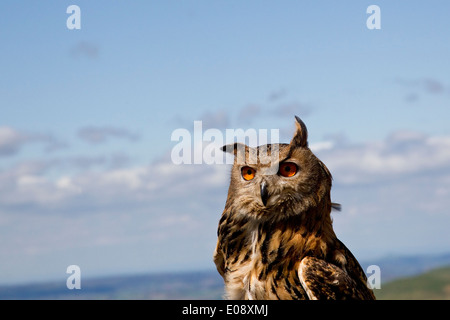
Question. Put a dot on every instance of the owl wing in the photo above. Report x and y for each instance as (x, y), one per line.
(323, 280)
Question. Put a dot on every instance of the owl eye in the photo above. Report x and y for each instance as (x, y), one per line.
(248, 173)
(288, 169)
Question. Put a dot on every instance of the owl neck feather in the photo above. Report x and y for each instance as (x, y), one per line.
(309, 232)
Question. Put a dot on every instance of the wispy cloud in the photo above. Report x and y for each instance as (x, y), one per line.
(10, 141)
(219, 119)
(215, 119)
(432, 86)
(13, 140)
(277, 95)
(98, 135)
(418, 87)
(84, 49)
(248, 113)
(292, 108)
(275, 107)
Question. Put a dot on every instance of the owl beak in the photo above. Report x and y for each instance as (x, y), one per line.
(264, 193)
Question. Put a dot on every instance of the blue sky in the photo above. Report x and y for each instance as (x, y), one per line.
(87, 116)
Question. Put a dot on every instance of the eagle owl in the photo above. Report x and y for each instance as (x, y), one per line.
(275, 236)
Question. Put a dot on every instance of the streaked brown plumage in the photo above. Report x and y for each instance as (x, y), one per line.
(275, 236)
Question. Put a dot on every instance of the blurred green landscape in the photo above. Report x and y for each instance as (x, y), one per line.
(432, 285)
(405, 278)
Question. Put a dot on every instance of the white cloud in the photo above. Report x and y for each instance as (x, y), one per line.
(66, 183)
(401, 153)
(394, 193)
(147, 211)
(120, 215)
(320, 146)
(30, 183)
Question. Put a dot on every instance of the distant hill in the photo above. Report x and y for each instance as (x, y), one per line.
(393, 267)
(432, 285)
(208, 285)
(205, 285)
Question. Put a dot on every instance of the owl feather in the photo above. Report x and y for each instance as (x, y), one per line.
(275, 235)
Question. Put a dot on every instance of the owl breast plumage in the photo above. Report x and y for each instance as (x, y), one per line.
(275, 235)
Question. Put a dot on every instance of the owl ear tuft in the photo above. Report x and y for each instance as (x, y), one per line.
(234, 148)
(300, 138)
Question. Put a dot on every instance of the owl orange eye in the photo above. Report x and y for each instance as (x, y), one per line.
(248, 173)
(288, 169)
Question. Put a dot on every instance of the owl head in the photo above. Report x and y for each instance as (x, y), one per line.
(277, 181)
